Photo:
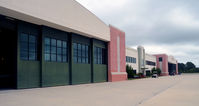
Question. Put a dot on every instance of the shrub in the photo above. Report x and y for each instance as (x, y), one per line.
(158, 71)
(130, 71)
(148, 73)
(154, 71)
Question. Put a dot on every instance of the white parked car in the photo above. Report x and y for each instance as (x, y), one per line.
(155, 76)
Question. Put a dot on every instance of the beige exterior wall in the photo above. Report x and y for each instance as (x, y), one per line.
(172, 60)
(152, 58)
(133, 53)
(66, 15)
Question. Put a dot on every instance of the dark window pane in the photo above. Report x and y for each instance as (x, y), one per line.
(64, 51)
(64, 58)
(47, 49)
(75, 52)
(95, 55)
(74, 45)
(99, 55)
(23, 37)
(103, 56)
(79, 50)
(87, 51)
(28, 47)
(53, 50)
(79, 59)
(74, 49)
(83, 51)
(24, 46)
(32, 47)
(53, 42)
(47, 57)
(59, 43)
(59, 51)
(87, 60)
(83, 59)
(47, 41)
(87, 54)
(53, 57)
(24, 55)
(160, 59)
(59, 58)
(32, 56)
(75, 59)
(32, 39)
(79, 53)
(65, 44)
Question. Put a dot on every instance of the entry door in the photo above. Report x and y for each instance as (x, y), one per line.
(7, 55)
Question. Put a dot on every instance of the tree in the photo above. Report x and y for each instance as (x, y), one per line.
(156, 71)
(189, 66)
(130, 71)
(181, 67)
(159, 71)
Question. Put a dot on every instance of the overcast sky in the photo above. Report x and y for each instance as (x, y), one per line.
(161, 26)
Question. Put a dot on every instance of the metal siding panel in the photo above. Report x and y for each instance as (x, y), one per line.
(100, 73)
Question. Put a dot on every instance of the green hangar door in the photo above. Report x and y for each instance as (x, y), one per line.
(8, 53)
(81, 64)
(55, 62)
(28, 56)
(89, 60)
(99, 61)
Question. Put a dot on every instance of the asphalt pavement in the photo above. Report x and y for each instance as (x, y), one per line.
(180, 90)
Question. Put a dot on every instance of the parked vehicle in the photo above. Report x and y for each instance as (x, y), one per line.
(155, 76)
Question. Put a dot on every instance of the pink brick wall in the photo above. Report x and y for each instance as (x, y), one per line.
(164, 63)
(115, 74)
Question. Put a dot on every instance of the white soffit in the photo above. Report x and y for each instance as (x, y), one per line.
(66, 15)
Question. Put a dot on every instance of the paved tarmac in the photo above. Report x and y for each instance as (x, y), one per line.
(181, 90)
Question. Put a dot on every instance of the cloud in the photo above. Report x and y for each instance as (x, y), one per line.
(182, 18)
(191, 53)
(167, 26)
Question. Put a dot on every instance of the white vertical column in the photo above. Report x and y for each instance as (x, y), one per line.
(160, 65)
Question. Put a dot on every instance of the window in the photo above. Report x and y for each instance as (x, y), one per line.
(28, 47)
(59, 50)
(130, 59)
(47, 49)
(99, 55)
(80, 53)
(75, 52)
(160, 59)
(55, 50)
(83, 54)
(150, 63)
(79, 58)
(64, 51)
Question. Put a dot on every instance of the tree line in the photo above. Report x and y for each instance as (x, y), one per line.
(189, 67)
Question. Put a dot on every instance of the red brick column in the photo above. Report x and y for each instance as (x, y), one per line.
(164, 69)
(116, 55)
